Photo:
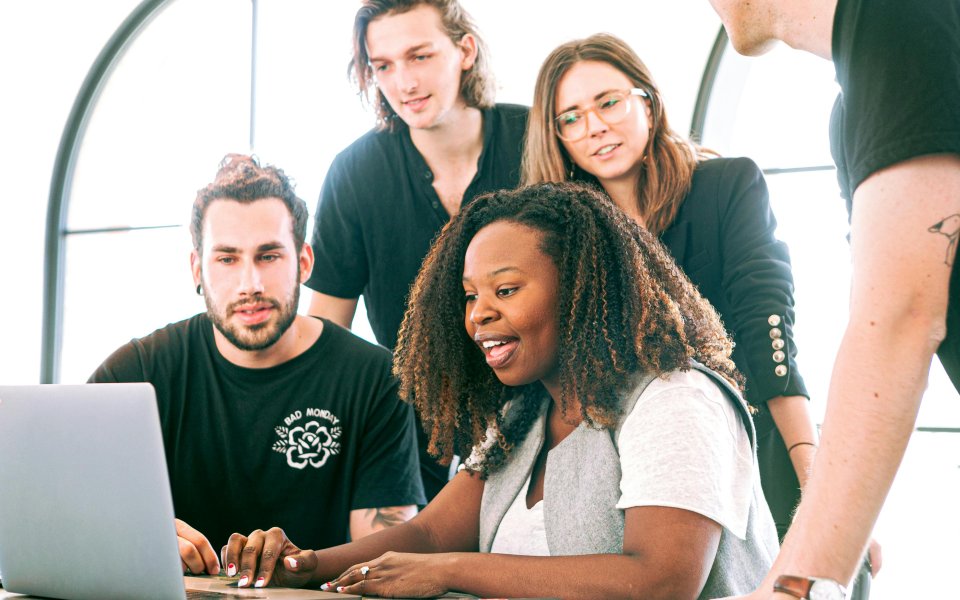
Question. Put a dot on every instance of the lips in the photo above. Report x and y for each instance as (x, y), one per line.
(416, 104)
(605, 150)
(253, 314)
(498, 349)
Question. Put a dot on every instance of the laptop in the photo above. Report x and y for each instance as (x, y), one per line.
(85, 504)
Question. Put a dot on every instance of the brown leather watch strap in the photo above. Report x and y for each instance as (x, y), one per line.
(798, 587)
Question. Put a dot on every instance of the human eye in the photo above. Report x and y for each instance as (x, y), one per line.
(380, 67)
(226, 260)
(568, 118)
(469, 297)
(608, 102)
(421, 57)
(506, 291)
(268, 258)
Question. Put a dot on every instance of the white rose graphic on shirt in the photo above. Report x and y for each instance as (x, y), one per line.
(311, 443)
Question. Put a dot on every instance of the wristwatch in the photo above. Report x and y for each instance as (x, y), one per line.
(810, 588)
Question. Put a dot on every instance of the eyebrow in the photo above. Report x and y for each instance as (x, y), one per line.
(496, 272)
(595, 98)
(266, 247)
(407, 52)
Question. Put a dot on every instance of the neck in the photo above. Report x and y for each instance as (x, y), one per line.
(623, 192)
(300, 336)
(458, 139)
(807, 25)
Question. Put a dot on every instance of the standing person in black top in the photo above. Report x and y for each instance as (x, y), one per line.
(268, 416)
(895, 137)
(440, 140)
(598, 116)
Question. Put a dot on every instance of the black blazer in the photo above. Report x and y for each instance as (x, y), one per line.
(724, 239)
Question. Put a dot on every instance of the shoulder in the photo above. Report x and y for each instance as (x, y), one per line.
(367, 151)
(726, 169)
(510, 118)
(685, 396)
(726, 181)
(140, 357)
(350, 348)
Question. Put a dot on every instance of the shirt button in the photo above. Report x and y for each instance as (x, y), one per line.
(778, 356)
(427, 174)
(777, 344)
(781, 370)
(774, 320)
(775, 333)
(436, 204)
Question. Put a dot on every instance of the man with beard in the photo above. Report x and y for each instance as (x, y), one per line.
(269, 418)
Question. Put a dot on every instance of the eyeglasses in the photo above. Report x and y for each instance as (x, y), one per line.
(610, 108)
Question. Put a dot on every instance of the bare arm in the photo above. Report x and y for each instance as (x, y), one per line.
(667, 553)
(791, 414)
(365, 521)
(901, 273)
(450, 523)
(338, 310)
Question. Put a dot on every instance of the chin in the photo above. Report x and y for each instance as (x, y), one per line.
(751, 46)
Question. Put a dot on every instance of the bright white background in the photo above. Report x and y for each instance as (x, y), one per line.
(180, 99)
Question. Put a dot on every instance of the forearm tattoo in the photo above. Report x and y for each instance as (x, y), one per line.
(950, 228)
(386, 516)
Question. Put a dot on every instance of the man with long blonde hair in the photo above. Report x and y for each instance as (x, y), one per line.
(440, 140)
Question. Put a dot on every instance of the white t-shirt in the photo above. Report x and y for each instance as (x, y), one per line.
(683, 445)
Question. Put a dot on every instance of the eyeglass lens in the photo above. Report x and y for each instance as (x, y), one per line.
(611, 109)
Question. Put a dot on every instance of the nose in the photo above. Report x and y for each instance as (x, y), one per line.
(251, 281)
(406, 78)
(595, 124)
(482, 312)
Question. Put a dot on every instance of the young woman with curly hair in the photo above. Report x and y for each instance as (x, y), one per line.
(598, 117)
(554, 340)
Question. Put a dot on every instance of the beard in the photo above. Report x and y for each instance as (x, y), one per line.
(259, 336)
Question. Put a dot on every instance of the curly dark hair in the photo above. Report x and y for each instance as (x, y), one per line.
(241, 178)
(624, 308)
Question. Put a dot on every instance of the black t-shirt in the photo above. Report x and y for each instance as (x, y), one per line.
(298, 445)
(378, 213)
(898, 66)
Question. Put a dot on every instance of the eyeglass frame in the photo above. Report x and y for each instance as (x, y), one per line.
(639, 92)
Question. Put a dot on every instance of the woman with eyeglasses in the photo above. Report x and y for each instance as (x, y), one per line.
(598, 117)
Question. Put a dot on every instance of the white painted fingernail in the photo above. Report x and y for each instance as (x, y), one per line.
(243, 581)
(260, 582)
(339, 588)
(324, 587)
(292, 562)
(231, 570)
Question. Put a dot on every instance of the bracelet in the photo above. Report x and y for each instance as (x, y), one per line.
(790, 449)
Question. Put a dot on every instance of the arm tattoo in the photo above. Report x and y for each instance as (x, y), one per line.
(949, 227)
(386, 516)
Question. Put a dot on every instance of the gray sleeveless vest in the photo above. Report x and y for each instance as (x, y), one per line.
(582, 487)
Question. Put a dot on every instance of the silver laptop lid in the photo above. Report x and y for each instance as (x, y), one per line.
(85, 504)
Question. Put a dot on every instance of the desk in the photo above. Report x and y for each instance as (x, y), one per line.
(220, 584)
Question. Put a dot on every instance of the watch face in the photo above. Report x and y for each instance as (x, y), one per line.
(825, 589)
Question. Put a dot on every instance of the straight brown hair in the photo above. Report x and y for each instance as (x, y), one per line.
(669, 159)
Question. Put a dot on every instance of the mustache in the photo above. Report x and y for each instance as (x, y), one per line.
(234, 306)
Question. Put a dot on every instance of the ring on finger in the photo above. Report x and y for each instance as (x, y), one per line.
(364, 570)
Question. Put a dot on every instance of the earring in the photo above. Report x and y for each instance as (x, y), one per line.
(572, 167)
(199, 289)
